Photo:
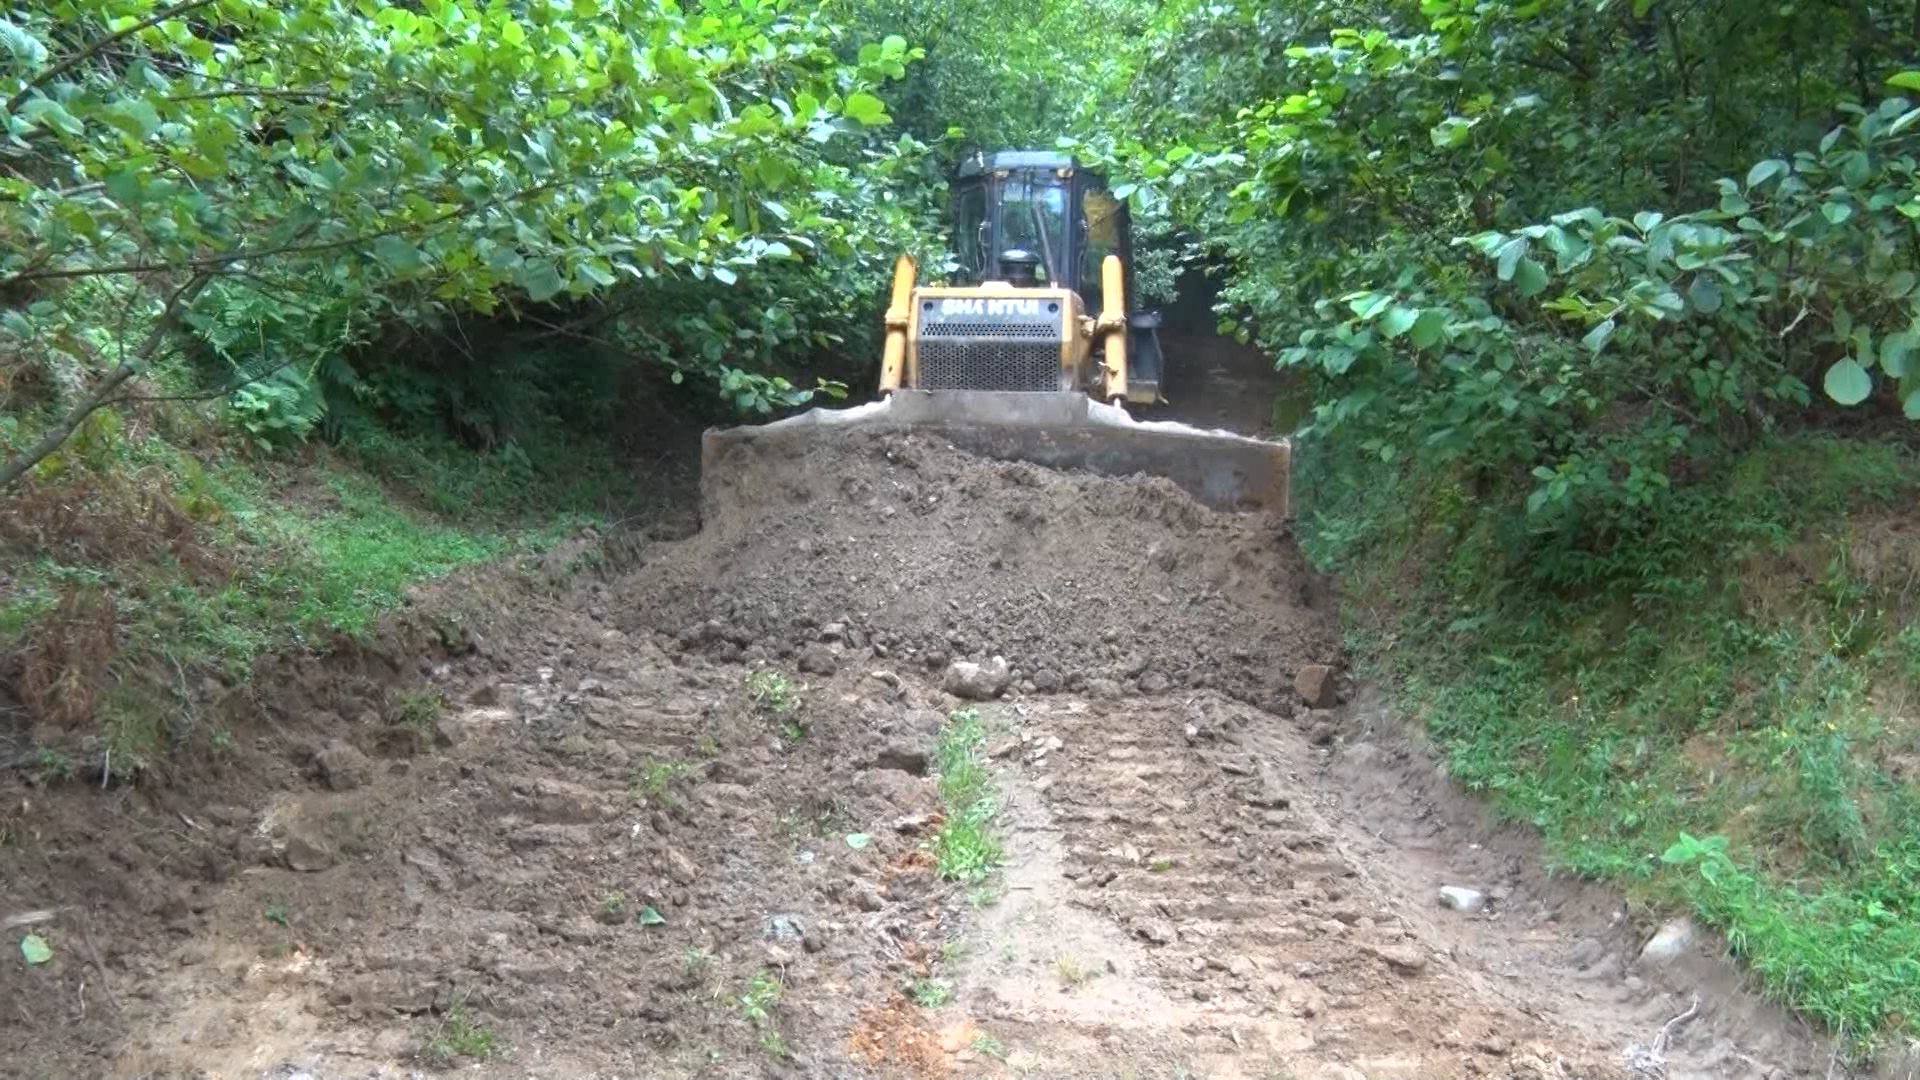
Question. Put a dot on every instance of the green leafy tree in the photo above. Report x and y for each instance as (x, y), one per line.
(377, 160)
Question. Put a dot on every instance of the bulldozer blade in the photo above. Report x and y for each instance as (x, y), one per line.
(1059, 430)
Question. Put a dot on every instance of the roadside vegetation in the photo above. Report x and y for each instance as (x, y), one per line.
(1609, 310)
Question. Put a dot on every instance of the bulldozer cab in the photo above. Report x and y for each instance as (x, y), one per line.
(1035, 218)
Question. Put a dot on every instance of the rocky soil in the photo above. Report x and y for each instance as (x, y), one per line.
(663, 810)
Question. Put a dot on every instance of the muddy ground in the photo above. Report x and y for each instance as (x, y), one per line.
(660, 807)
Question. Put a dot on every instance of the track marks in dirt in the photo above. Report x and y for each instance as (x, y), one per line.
(1179, 902)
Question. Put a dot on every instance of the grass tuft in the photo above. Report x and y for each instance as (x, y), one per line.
(966, 848)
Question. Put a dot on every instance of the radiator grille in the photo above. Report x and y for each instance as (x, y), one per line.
(1025, 361)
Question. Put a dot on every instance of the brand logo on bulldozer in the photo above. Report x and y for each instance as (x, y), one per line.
(979, 305)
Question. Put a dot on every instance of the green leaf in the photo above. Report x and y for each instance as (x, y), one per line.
(1704, 293)
(49, 113)
(1509, 259)
(21, 45)
(1429, 329)
(399, 255)
(1912, 405)
(541, 279)
(650, 916)
(1848, 383)
(868, 110)
(1399, 320)
(724, 275)
(1895, 349)
(1530, 278)
(1368, 305)
(1836, 212)
(1598, 337)
(1765, 171)
(1905, 80)
(35, 949)
(1452, 132)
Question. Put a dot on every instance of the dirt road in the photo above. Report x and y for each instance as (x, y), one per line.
(662, 810)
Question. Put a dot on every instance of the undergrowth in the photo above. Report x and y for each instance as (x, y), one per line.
(966, 848)
(139, 567)
(1717, 715)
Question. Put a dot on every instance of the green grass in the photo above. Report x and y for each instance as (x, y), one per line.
(761, 997)
(1702, 724)
(965, 848)
(930, 993)
(460, 1035)
(281, 555)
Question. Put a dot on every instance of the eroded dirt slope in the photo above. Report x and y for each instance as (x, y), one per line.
(553, 825)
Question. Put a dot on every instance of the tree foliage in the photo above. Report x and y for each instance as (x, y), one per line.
(1583, 252)
(695, 181)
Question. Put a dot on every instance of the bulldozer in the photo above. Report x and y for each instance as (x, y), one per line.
(1034, 349)
(1043, 296)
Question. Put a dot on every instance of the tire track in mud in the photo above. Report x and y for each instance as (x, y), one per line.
(1223, 929)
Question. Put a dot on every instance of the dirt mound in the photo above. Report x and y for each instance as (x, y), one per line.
(921, 554)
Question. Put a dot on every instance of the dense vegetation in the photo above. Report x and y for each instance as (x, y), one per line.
(1608, 308)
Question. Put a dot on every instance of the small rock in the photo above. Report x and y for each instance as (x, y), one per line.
(1046, 680)
(1461, 898)
(1158, 931)
(342, 766)
(977, 682)
(904, 755)
(833, 631)
(865, 896)
(887, 677)
(1153, 683)
(1315, 685)
(306, 854)
(680, 868)
(1493, 1044)
(1670, 943)
(784, 927)
(819, 659)
(1405, 959)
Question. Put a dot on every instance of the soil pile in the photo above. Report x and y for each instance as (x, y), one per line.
(916, 553)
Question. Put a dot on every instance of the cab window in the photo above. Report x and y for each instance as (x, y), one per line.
(970, 230)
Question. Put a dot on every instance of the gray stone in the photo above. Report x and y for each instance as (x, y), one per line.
(1158, 931)
(342, 766)
(306, 854)
(819, 659)
(905, 755)
(1315, 685)
(784, 927)
(1461, 898)
(1405, 959)
(977, 682)
(1670, 942)
(1046, 680)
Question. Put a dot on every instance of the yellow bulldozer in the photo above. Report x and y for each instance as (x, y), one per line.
(1043, 297)
(1035, 349)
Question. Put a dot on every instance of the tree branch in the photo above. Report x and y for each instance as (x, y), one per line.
(127, 369)
(216, 263)
(74, 61)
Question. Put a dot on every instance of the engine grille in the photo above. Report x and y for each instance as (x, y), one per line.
(998, 363)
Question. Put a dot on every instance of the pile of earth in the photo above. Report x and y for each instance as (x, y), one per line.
(902, 550)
